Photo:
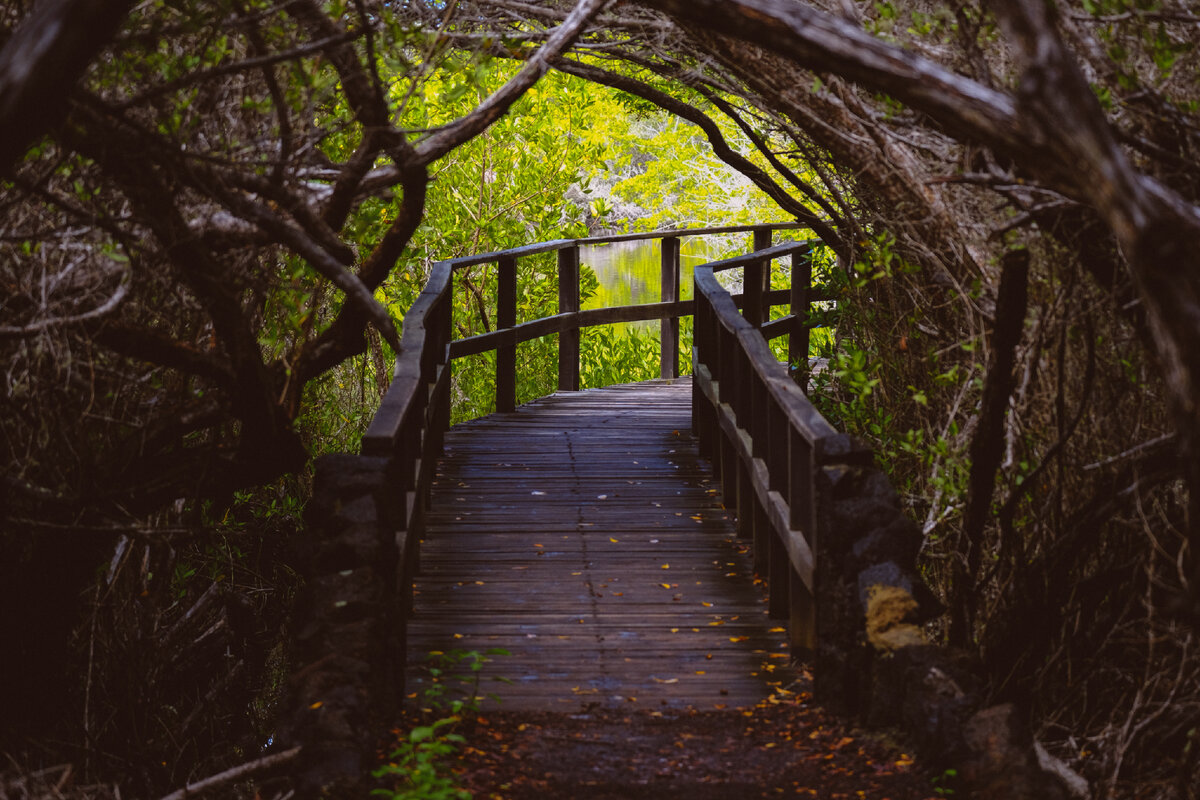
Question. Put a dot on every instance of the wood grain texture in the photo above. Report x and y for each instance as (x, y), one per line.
(584, 534)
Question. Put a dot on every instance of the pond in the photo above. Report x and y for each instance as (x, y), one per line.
(630, 273)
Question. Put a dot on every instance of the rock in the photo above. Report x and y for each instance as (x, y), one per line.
(889, 611)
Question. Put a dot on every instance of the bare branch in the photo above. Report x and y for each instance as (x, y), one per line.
(105, 308)
(234, 774)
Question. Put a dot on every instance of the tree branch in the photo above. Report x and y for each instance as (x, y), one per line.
(987, 445)
(234, 774)
(462, 130)
(720, 147)
(43, 59)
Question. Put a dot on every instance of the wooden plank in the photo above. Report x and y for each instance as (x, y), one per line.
(544, 326)
(584, 534)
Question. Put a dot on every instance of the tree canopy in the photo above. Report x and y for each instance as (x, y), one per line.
(216, 212)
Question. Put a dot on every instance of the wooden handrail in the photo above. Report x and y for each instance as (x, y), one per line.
(570, 319)
(765, 439)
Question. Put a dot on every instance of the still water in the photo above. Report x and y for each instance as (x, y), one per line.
(630, 273)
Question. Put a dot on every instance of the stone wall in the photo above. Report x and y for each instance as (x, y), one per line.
(874, 662)
(347, 678)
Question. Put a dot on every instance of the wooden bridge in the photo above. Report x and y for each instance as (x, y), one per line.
(663, 544)
(647, 543)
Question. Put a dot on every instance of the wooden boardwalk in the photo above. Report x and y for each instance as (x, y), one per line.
(584, 534)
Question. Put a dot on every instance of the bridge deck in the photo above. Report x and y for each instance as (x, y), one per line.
(583, 534)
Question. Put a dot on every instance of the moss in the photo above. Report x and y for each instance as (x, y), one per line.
(888, 609)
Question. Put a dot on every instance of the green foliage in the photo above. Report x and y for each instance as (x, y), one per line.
(943, 785)
(418, 767)
(455, 679)
(609, 354)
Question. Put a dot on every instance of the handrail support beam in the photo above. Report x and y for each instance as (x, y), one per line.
(669, 326)
(568, 301)
(506, 317)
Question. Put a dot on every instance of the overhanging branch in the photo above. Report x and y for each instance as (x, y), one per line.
(462, 130)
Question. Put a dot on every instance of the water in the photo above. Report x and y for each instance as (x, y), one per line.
(630, 273)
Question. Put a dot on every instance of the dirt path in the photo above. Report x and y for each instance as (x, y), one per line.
(778, 749)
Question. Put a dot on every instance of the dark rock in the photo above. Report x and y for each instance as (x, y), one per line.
(897, 540)
(888, 573)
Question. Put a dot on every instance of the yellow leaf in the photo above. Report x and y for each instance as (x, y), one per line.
(665, 585)
(777, 630)
(706, 604)
(614, 541)
(738, 638)
(666, 566)
(317, 704)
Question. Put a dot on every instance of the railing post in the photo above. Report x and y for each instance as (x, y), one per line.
(801, 304)
(568, 301)
(756, 279)
(669, 326)
(802, 499)
(506, 317)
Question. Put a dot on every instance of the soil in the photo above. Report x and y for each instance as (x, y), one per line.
(782, 748)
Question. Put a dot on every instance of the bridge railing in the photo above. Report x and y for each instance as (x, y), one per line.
(415, 411)
(571, 319)
(825, 522)
(765, 439)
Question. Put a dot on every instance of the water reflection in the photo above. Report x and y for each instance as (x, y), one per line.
(630, 273)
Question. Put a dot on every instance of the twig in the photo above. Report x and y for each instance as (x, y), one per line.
(234, 774)
(1137, 448)
(15, 332)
